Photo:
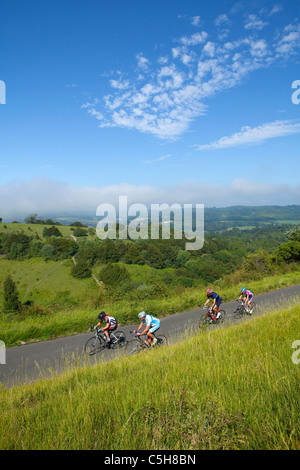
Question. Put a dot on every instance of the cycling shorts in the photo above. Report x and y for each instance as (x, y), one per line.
(154, 328)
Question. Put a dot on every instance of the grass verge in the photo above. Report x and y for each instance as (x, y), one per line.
(233, 388)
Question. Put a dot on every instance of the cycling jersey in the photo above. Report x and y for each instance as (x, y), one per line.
(217, 297)
(152, 322)
(249, 294)
(111, 321)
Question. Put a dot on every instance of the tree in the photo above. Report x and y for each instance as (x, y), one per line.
(11, 296)
(31, 219)
(51, 232)
(81, 270)
(114, 274)
(47, 252)
(289, 251)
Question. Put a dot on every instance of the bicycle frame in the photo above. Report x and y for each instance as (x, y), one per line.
(144, 342)
(102, 336)
(210, 313)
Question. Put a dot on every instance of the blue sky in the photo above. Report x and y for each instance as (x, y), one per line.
(162, 101)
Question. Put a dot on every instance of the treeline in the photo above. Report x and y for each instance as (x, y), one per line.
(234, 255)
(221, 254)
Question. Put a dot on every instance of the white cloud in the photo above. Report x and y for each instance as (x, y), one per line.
(195, 39)
(275, 9)
(160, 159)
(196, 21)
(289, 41)
(43, 196)
(209, 49)
(254, 135)
(222, 20)
(259, 48)
(143, 63)
(253, 22)
(173, 89)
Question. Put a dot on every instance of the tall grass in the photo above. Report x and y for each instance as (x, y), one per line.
(232, 388)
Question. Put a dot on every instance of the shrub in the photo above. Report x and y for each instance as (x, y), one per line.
(11, 296)
(114, 274)
(81, 270)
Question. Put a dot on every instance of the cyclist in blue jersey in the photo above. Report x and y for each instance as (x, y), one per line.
(151, 324)
(248, 297)
(216, 302)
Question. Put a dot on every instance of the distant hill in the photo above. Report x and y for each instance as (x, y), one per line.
(216, 218)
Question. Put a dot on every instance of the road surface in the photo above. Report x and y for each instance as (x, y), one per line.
(30, 362)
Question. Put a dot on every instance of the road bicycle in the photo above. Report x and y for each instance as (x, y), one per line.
(242, 310)
(139, 344)
(210, 317)
(98, 342)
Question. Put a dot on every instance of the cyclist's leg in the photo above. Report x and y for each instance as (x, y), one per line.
(249, 303)
(107, 333)
(152, 335)
(217, 309)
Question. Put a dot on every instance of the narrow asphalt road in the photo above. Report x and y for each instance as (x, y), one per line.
(30, 362)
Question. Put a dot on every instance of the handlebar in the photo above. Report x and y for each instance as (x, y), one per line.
(137, 334)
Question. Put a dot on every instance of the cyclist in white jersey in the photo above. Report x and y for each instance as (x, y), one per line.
(111, 325)
(152, 325)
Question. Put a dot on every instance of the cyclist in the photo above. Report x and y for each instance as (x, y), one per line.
(216, 302)
(152, 325)
(111, 325)
(247, 297)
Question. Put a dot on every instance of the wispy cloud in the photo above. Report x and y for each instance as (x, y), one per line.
(254, 135)
(254, 22)
(165, 95)
(164, 157)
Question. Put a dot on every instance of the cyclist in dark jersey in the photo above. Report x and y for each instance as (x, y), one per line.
(111, 325)
(216, 302)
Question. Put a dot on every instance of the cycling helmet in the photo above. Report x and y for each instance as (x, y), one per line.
(243, 289)
(142, 315)
(101, 315)
(209, 291)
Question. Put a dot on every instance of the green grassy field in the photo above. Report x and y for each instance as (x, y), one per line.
(44, 281)
(32, 229)
(232, 388)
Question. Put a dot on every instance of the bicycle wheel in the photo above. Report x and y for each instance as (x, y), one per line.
(222, 316)
(162, 340)
(118, 339)
(92, 345)
(253, 305)
(133, 347)
(204, 320)
(238, 313)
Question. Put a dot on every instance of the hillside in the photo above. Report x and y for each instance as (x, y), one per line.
(61, 280)
(232, 388)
